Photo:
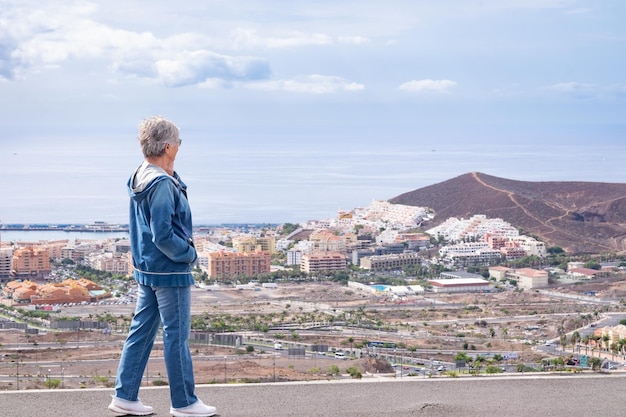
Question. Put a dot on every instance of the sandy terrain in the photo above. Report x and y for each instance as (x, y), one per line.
(428, 326)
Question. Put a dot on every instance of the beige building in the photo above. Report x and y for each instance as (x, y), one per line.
(498, 272)
(614, 333)
(529, 278)
(226, 265)
(326, 241)
(55, 248)
(323, 262)
(389, 262)
(246, 244)
(116, 263)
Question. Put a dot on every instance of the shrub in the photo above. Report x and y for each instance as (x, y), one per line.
(354, 372)
(159, 383)
(53, 383)
(492, 369)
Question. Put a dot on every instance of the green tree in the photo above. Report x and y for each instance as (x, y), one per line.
(595, 363)
(333, 370)
(574, 339)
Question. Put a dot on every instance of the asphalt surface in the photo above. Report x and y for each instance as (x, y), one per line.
(502, 396)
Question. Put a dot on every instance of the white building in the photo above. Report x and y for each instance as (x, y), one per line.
(458, 285)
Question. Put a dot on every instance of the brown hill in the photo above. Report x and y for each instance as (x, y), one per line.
(580, 217)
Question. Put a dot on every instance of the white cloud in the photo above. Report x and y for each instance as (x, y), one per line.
(245, 38)
(34, 39)
(573, 88)
(355, 40)
(312, 84)
(249, 38)
(198, 66)
(588, 90)
(428, 85)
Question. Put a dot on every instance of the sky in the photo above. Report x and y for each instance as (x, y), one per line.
(289, 111)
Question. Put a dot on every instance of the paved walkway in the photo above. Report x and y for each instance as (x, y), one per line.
(502, 396)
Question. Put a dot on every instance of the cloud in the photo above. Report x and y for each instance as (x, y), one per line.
(588, 90)
(35, 39)
(580, 90)
(311, 84)
(242, 38)
(428, 85)
(199, 66)
(248, 39)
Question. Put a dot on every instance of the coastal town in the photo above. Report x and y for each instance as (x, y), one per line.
(369, 282)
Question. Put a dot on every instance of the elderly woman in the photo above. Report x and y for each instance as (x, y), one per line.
(163, 253)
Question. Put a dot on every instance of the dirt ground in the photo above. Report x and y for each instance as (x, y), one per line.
(428, 326)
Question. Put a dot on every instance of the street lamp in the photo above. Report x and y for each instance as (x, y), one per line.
(225, 368)
(17, 370)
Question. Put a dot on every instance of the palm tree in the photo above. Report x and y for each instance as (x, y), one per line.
(574, 339)
(478, 363)
(462, 357)
(621, 344)
(606, 339)
(351, 341)
(586, 340)
(595, 363)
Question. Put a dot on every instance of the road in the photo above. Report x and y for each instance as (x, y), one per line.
(502, 396)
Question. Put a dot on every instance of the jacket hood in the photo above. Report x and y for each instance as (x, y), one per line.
(144, 177)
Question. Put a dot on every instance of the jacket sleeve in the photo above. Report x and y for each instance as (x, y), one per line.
(163, 205)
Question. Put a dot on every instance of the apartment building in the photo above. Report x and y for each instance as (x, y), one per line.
(323, 262)
(532, 246)
(6, 259)
(498, 272)
(470, 254)
(294, 257)
(615, 333)
(227, 265)
(389, 262)
(33, 262)
(326, 241)
(245, 244)
(414, 241)
(55, 248)
(529, 278)
(80, 251)
(511, 251)
(116, 263)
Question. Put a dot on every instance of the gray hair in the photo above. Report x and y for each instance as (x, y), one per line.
(154, 133)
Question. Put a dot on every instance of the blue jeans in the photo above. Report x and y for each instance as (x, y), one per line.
(170, 306)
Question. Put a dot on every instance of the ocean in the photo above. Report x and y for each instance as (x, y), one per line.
(37, 235)
(85, 181)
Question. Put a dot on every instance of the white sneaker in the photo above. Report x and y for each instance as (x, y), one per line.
(197, 409)
(131, 408)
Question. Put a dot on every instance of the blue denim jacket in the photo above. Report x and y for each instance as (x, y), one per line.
(160, 228)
